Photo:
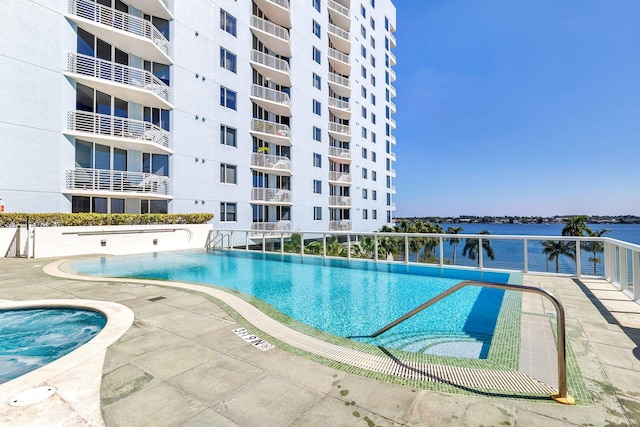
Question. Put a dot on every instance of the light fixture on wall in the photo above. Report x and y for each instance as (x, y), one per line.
(197, 159)
(202, 201)
(197, 75)
(197, 33)
(202, 160)
(197, 117)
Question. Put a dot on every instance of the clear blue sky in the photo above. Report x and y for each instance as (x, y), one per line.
(510, 107)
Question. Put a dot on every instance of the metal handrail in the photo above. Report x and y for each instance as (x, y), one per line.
(562, 395)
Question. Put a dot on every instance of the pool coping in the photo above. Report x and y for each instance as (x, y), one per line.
(477, 380)
(85, 361)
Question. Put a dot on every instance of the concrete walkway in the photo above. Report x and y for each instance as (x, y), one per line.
(181, 364)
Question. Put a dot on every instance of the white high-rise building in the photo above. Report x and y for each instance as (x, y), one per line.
(271, 114)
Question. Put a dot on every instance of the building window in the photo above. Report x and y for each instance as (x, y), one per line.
(364, 132)
(373, 99)
(316, 4)
(373, 80)
(227, 98)
(373, 137)
(389, 217)
(363, 51)
(374, 214)
(227, 23)
(373, 61)
(228, 212)
(363, 11)
(316, 55)
(316, 28)
(386, 23)
(387, 96)
(388, 199)
(227, 60)
(372, 22)
(374, 176)
(373, 3)
(388, 181)
(365, 214)
(373, 154)
(373, 118)
(317, 107)
(364, 194)
(363, 112)
(228, 136)
(363, 31)
(317, 134)
(364, 173)
(364, 153)
(317, 186)
(228, 174)
(386, 60)
(386, 77)
(317, 213)
(388, 164)
(363, 71)
(388, 147)
(363, 92)
(374, 195)
(386, 43)
(317, 81)
(317, 160)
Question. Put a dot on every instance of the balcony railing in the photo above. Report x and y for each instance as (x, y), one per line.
(273, 128)
(271, 195)
(392, 106)
(84, 179)
(92, 11)
(269, 61)
(344, 153)
(338, 128)
(339, 8)
(105, 125)
(271, 226)
(281, 3)
(392, 39)
(338, 79)
(392, 122)
(270, 161)
(392, 75)
(344, 225)
(338, 103)
(339, 201)
(344, 177)
(338, 32)
(118, 73)
(270, 94)
(392, 58)
(270, 28)
(336, 54)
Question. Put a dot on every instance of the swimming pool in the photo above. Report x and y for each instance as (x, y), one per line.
(337, 296)
(33, 337)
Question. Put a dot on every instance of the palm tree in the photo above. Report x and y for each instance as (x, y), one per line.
(365, 248)
(576, 226)
(595, 247)
(472, 248)
(431, 243)
(453, 241)
(314, 248)
(335, 248)
(293, 246)
(553, 249)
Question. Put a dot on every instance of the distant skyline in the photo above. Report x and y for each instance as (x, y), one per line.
(518, 108)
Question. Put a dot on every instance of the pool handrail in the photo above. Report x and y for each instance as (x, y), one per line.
(562, 395)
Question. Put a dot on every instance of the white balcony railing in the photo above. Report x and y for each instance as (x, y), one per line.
(344, 153)
(105, 125)
(271, 226)
(392, 105)
(343, 225)
(84, 179)
(118, 73)
(338, 32)
(270, 28)
(282, 3)
(269, 61)
(338, 79)
(340, 177)
(338, 8)
(392, 122)
(270, 195)
(336, 54)
(338, 103)
(92, 11)
(273, 128)
(339, 128)
(339, 201)
(270, 94)
(270, 161)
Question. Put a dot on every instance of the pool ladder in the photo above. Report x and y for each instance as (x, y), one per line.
(562, 396)
(217, 241)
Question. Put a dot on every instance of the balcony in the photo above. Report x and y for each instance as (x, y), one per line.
(339, 61)
(271, 196)
(121, 81)
(392, 189)
(392, 155)
(267, 163)
(392, 76)
(276, 10)
(160, 8)
(392, 40)
(340, 132)
(104, 182)
(392, 122)
(340, 108)
(340, 155)
(340, 178)
(392, 106)
(392, 58)
(392, 138)
(392, 172)
(271, 132)
(340, 84)
(272, 68)
(271, 100)
(118, 132)
(392, 91)
(344, 225)
(340, 38)
(275, 37)
(127, 32)
(266, 227)
(339, 201)
(339, 15)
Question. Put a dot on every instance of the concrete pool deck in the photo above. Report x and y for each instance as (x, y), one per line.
(181, 364)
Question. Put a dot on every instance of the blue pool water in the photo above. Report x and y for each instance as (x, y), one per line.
(327, 295)
(31, 338)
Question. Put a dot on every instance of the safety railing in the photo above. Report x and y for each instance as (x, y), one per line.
(273, 128)
(270, 161)
(343, 153)
(338, 32)
(338, 8)
(270, 94)
(270, 28)
(338, 79)
(338, 103)
(344, 177)
(270, 195)
(336, 54)
(117, 73)
(269, 61)
(339, 128)
(562, 396)
(95, 12)
(86, 179)
(339, 201)
(105, 125)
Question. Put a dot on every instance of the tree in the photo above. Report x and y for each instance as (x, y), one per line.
(595, 247)
(335, 248)
(553, 249)
(387, 245)
(431, 243)
(293, 246)
(453, 241)
(472, 247)
(576, 226)
(365, 248)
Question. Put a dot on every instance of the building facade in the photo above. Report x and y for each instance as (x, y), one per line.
(271, 114)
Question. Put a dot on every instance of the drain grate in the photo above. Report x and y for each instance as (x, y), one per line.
(154, 299)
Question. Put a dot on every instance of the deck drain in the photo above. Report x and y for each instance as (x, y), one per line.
(156, 299)
(32, 395)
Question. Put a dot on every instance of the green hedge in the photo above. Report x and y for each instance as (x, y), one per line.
(69, 219)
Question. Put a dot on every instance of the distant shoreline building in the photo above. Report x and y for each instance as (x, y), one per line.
(272, 114)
